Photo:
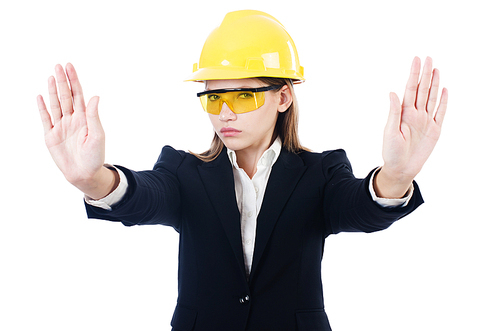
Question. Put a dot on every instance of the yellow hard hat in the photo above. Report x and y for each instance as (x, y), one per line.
(247, 44)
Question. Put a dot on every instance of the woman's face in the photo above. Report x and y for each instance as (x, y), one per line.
(252, 130)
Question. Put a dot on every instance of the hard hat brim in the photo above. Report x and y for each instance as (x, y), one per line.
(205, 74)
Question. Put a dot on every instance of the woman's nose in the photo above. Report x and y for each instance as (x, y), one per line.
(226, 114)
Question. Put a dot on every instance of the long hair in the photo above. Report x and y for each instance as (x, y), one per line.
(286, 127)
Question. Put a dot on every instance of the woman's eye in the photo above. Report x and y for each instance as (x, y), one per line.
(245, 95)
(213, 97)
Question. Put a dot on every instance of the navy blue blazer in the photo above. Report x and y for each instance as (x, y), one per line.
(308, 197)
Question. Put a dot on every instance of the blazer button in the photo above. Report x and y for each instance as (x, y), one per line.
(245, 299)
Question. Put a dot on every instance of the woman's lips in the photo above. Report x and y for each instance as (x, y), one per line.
(229, 132)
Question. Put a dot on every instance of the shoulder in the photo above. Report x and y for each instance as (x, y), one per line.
(327, 157)
(328, 161)
(171, 159)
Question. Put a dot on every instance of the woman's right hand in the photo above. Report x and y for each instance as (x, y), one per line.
(74, 135)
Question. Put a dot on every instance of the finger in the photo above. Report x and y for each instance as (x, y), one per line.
(55, 106)
(441, 111)
(431, 103)
(394, 120)
(424, 85)
(76, 88)
(64, 91)
(44, 115)
(412, 84)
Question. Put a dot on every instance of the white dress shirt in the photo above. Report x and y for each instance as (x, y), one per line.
(249, 195)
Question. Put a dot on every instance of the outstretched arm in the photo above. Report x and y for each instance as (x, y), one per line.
(74, 135)
(412, 130)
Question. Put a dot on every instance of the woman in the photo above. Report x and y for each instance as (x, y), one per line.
(254, 210)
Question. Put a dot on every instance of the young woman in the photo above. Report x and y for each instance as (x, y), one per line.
(254, 210)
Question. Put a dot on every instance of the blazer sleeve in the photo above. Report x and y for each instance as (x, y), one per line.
(348, 205)
(153, 197)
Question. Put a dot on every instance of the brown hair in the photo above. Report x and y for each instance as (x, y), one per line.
(286, 126)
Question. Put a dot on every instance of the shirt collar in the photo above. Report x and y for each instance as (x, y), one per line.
(268, 158)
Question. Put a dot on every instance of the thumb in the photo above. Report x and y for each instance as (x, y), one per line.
(394, 120)
(93, 121)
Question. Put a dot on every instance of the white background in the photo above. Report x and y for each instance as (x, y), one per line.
(437, 269)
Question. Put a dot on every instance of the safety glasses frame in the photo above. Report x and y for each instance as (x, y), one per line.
(258, 89)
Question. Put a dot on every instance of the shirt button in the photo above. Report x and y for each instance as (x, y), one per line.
(249, 214)
(248, 241)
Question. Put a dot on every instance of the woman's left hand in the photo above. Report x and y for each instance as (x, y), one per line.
(412, 130)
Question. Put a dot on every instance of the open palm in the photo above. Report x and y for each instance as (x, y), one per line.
(74, 135)
(413, 127)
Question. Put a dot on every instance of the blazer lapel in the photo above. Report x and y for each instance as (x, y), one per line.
(218, 179)
(285, 175)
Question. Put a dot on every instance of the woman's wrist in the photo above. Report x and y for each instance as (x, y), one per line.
(390, 185)
(102, 184)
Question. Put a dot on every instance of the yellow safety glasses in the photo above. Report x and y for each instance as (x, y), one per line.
(239, 100)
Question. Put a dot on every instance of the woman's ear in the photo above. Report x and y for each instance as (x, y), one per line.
(285, 98)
